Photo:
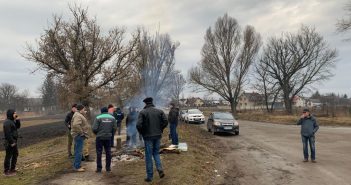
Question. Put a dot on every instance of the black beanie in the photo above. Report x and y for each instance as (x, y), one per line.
(104, 110)
(80, 107)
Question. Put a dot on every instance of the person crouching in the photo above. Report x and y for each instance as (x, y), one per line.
(104, 125)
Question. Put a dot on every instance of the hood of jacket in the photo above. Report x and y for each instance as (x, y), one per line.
(10, 113)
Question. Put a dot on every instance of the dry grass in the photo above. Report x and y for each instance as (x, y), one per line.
(38, 162)
(292, 119)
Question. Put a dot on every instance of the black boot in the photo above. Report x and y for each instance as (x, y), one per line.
(161, 174)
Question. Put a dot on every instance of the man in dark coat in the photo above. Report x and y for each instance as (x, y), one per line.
(173, 122)
(309, 127)
(11, 124)
(68, 124)
(151, 123)
(103, 127)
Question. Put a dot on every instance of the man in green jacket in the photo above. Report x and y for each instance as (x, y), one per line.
(104, 125)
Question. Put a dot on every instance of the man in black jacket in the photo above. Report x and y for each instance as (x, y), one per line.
(151, 122)
(11, 124)
(173, 122)
(68, 125)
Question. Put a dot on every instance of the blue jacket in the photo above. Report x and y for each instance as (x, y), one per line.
(309, 126)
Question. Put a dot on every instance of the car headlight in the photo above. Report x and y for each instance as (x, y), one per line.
(217, 123)
(236, 123)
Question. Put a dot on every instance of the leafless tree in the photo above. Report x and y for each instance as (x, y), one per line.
(78, 53)
(49, 92)
(227, 55)
(10, 97)
(344, 24)
(296, 61)
(265, 85)
(155, 65)
(177, 86)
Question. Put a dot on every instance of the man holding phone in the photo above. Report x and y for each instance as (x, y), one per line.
(10, 126)
(309, 127)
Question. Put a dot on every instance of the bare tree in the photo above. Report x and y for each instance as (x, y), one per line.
(266, 86)
(79, 54)
(344, 24)
(177, 86)
(49, 92)
(155, 65)
(10, 97)
(227, 56)
(296, 61)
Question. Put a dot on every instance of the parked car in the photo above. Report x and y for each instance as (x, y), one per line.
(194, 116)
(182, 115)
(222, 122)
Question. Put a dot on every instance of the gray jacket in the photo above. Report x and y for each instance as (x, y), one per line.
(309, 126)
(104, 125)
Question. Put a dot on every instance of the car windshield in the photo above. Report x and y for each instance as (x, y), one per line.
(194, 111)
(223, 115)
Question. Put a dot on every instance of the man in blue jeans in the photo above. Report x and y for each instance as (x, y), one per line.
(309, 127)
(104, 125)
(151, 123)
(173, 123)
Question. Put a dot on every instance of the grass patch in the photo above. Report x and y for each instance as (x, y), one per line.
(292, 119)
(39, 162)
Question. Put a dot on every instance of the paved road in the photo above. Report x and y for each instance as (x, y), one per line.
(269, 154)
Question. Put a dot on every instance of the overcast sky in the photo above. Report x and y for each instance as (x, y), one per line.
(186, 21)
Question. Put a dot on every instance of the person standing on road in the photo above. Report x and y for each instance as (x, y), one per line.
(173, 122)
(68, 125)
(151, 123)
(80, 132)
(309, 127)
(104, 125)
(10, 127)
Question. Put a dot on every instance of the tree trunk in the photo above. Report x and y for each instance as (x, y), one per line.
(233, 107)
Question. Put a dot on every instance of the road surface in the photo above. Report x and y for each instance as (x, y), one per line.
(269, 154)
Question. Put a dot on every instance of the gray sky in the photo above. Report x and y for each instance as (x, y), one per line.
(185, 20)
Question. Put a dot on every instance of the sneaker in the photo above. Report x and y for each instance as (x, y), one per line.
(305, 160)
(80, 170)
(98, 170)
(173, 146)
(147, 180)
(108, 170)
(313, 160)
(161, 174)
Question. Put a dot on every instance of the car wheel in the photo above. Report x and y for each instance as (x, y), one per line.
(236, 132)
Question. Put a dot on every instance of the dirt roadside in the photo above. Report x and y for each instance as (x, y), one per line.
(272, 154)
(196, 166)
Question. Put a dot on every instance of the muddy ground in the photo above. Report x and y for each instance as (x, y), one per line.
(39, 129)
(269, 154)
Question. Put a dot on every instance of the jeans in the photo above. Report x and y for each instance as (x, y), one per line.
(305, 141)
(10, 158)
(78, 149)
(173, 131)
(106, 144)
(112, 139)
(152, 147)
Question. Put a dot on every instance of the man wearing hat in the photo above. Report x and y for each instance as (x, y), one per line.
(103, 127)
(309, 127)
(80, 132)
(151, 123)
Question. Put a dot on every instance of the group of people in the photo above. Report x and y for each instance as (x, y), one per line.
(149, 124)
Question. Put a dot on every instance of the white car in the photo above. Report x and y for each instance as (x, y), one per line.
(194, 116)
